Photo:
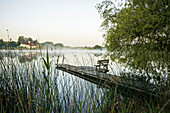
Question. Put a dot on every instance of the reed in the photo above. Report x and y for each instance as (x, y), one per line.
(37, 86)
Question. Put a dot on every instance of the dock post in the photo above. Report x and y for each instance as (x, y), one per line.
(63, 59)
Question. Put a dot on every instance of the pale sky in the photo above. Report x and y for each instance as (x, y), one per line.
(71, 22)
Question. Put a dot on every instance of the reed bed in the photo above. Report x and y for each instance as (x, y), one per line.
(37, 86)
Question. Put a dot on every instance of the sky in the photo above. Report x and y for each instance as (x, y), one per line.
(71, 22)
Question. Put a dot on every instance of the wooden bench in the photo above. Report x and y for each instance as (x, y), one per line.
(102, 66)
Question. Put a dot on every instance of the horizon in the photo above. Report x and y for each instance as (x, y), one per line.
(59, 42)
(73, 23)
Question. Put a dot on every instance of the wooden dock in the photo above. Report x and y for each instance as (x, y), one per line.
(100, 78)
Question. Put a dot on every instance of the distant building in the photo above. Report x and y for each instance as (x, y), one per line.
(27, 45)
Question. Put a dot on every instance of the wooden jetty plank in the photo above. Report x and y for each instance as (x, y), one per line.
(92, 75)
(86, 71)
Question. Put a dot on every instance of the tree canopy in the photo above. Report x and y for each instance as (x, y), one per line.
(97, 47)
(137, 34)
(60, 45)
(21, 39)
(25, 39)
(2, 44)
(13, 44)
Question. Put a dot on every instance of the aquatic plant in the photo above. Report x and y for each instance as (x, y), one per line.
(38, 87)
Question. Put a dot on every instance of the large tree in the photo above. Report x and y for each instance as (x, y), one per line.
(21, 39)
(25, 39)
(30, 39)
(137, 34)
(59, 45)
(97, 47)
(2, 44)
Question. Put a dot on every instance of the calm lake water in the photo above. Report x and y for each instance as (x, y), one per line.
(67, 56)
(26, 63)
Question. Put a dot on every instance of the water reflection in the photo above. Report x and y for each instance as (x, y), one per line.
(68, 56)
(22, 57)
(8, 54)
(27, 57)
(63, 85)
(1, 55)
(97, 54)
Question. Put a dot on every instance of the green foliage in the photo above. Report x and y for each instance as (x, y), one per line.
(97, 47)
(35, 42)
(47, 44)
(60, 45)
(2, 44)
(21, 39)
(47, 64)
(12, 44)
(25, 39)
(42, 88)
(30, 39)
(138, 33)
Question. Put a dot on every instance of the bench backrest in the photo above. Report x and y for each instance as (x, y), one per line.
(102, 61)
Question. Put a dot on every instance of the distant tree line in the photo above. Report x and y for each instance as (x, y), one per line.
(5, 44)
(16, 45)
(51, 45)
(12, 44)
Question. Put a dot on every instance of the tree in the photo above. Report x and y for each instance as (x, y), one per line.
(97, 47)
(35, 42)
(12, 44)
(30, 39)
(59, 45)
(138, 34)
(25, 39)
(2, 44)
(47, 44)
(21, 39)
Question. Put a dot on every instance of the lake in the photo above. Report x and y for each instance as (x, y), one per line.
(26, 81)
(26, 67)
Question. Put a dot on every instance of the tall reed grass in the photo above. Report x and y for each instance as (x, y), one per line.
(38, 87)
